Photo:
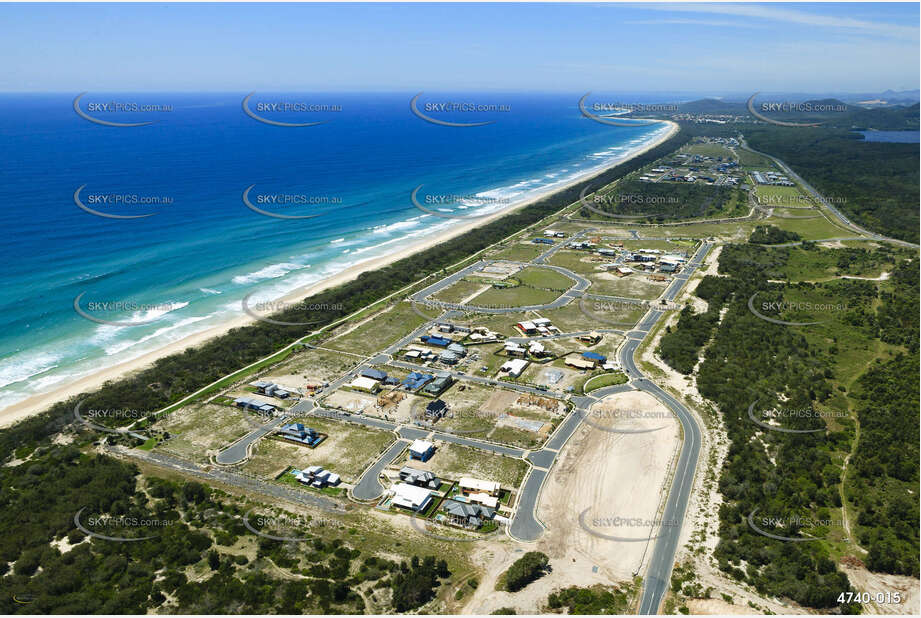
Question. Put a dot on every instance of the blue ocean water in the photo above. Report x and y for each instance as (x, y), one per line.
(187, 267)
(898, 137)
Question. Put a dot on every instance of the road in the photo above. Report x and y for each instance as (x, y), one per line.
(369, 486)
(828, 205)
(272, 490)
(662, 560)
(239, 450)
(580, 284)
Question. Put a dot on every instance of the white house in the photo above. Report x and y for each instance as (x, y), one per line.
(514, 367)
(411, 497)
(470, 485)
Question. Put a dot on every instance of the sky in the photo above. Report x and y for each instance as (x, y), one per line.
(635, 47)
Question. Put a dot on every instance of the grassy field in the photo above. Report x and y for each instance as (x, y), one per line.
(810, 229)
(750, 160)
(380, 331)
(544, 278)
(452, 461)
(348, 450)
(520, 252)
(632, 286)
(588, 314)
(201, 430)
(311, 366)
(606, 379)
(708, 150)
(459, 291)
(662, 245)
(803, 265)
(521, 296)
(573, 261)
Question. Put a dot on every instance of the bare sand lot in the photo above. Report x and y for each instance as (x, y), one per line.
(310, 367)
(618, 478)
(352, 401)
(637, 285)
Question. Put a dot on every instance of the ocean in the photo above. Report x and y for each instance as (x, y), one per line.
(187, 265)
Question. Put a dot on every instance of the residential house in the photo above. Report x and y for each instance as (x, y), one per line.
(421, 450)
(439, 385)
(435, 410)
(470, 485)
(296, 432)
(366, 385)
(374, 374)
(419, 478)
(579, 363)
(411, 497)
(514, 367)
(471, 516)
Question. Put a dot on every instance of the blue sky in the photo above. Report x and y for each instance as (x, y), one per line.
(701, 48)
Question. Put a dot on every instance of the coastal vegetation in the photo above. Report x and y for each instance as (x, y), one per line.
(200, 558)
(668, 201)
(849, 370)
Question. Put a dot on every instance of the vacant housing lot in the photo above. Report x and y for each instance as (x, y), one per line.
(201, 430)
(453, 461)
(347, 451)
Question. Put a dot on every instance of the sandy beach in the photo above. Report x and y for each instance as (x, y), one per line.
(37, 403)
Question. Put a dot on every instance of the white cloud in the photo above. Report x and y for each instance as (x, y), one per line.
(793, 16)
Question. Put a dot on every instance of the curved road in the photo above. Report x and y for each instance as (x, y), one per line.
(837, 213)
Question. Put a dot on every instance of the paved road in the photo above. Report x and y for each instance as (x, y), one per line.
(523, 388)
(525, 525)
(546, 255)
(837, 213)
(663, 555)
(238, 451)
(580, 284)
(271, 490)
(369, 486)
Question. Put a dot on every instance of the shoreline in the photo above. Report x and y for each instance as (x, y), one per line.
(41, 401)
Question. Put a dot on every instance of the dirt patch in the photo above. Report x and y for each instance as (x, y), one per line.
(352, 401)
(876, 583)
(611, 474)
(200, 431)
(498, 403)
